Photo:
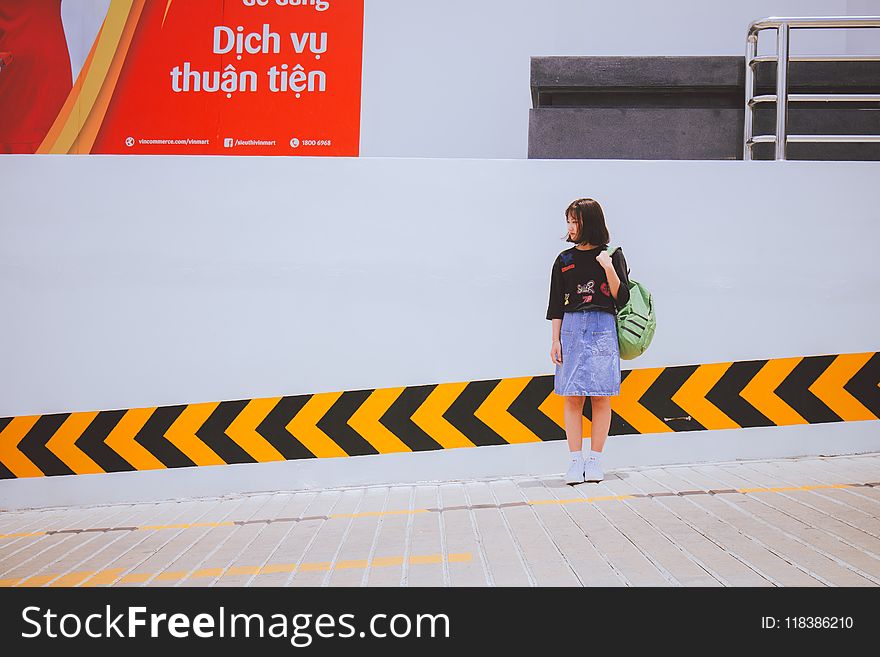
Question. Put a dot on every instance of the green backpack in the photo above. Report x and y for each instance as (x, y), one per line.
(635, 321)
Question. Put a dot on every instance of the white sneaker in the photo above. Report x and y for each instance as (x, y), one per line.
(575, 474)
(593, 471)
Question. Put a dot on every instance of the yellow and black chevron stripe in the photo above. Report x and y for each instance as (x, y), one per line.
(755, 393)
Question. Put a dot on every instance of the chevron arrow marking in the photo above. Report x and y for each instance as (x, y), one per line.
(303, 426)
(627, 405)
(429, 416)
(243, 430)
(121, 440)
(829, 387)
(366, 421)
(62, 444)
(182, 434)
(759, 391)
(16, 462)
(493, 411)
(691, 397)
(552, 407)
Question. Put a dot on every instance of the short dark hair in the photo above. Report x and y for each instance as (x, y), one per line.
(591, 222)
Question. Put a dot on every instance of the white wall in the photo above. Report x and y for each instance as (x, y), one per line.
(131, 282)
(451, 79)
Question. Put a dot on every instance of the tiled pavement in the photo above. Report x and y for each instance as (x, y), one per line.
(787, 522)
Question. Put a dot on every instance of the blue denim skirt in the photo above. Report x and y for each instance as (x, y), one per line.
(590, 355)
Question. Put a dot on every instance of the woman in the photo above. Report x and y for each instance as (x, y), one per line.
(587, 286)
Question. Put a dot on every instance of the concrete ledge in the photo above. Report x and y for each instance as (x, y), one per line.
(606, 73)
(638, 134)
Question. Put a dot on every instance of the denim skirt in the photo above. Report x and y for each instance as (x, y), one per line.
(590, 355)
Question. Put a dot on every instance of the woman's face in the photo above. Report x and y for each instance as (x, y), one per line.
(572, 224)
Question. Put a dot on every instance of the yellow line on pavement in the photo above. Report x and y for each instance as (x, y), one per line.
(365, 514)
(112, 576)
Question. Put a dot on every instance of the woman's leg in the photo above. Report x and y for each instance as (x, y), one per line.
(573, 416)
(601, 422)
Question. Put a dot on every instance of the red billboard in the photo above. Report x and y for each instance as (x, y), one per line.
(254, 77)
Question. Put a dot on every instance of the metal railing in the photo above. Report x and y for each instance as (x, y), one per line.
(782, 98)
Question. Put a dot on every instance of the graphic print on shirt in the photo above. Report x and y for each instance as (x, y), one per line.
(586, 288)
(588, 298)
(566, 299)
(605, 290)
(571, 266)
(567, 258)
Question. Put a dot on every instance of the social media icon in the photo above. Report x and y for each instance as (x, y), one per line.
(228, 142)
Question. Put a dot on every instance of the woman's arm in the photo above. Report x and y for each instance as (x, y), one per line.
(555, 329)
(618, 281)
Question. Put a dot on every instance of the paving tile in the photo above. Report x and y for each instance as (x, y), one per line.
(683, 525)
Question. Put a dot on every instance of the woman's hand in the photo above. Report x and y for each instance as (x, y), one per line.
(604, 259)
(556, 353)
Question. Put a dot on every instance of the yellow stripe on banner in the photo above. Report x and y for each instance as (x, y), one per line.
(691, 397)
(627, 405)
(61, 444)
(10, 456)
(243, 430)
(494, 414)
(129, 13)
(829, 387)
(104, 49)
(165, 15)
(64, 116)
(365, 420)
(304, 428)
(429, 416)
(122, 440)
(182, 434)
(759, 392)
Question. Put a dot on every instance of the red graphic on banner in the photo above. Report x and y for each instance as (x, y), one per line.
(35, 76)
(255, 80)
(231, 77)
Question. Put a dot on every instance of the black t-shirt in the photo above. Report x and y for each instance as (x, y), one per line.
(578, 282)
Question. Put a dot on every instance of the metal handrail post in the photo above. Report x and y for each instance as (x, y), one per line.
(751, 53)
(783, 27)
(782, 38)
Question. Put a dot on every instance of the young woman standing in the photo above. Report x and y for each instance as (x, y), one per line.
(587, 286)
